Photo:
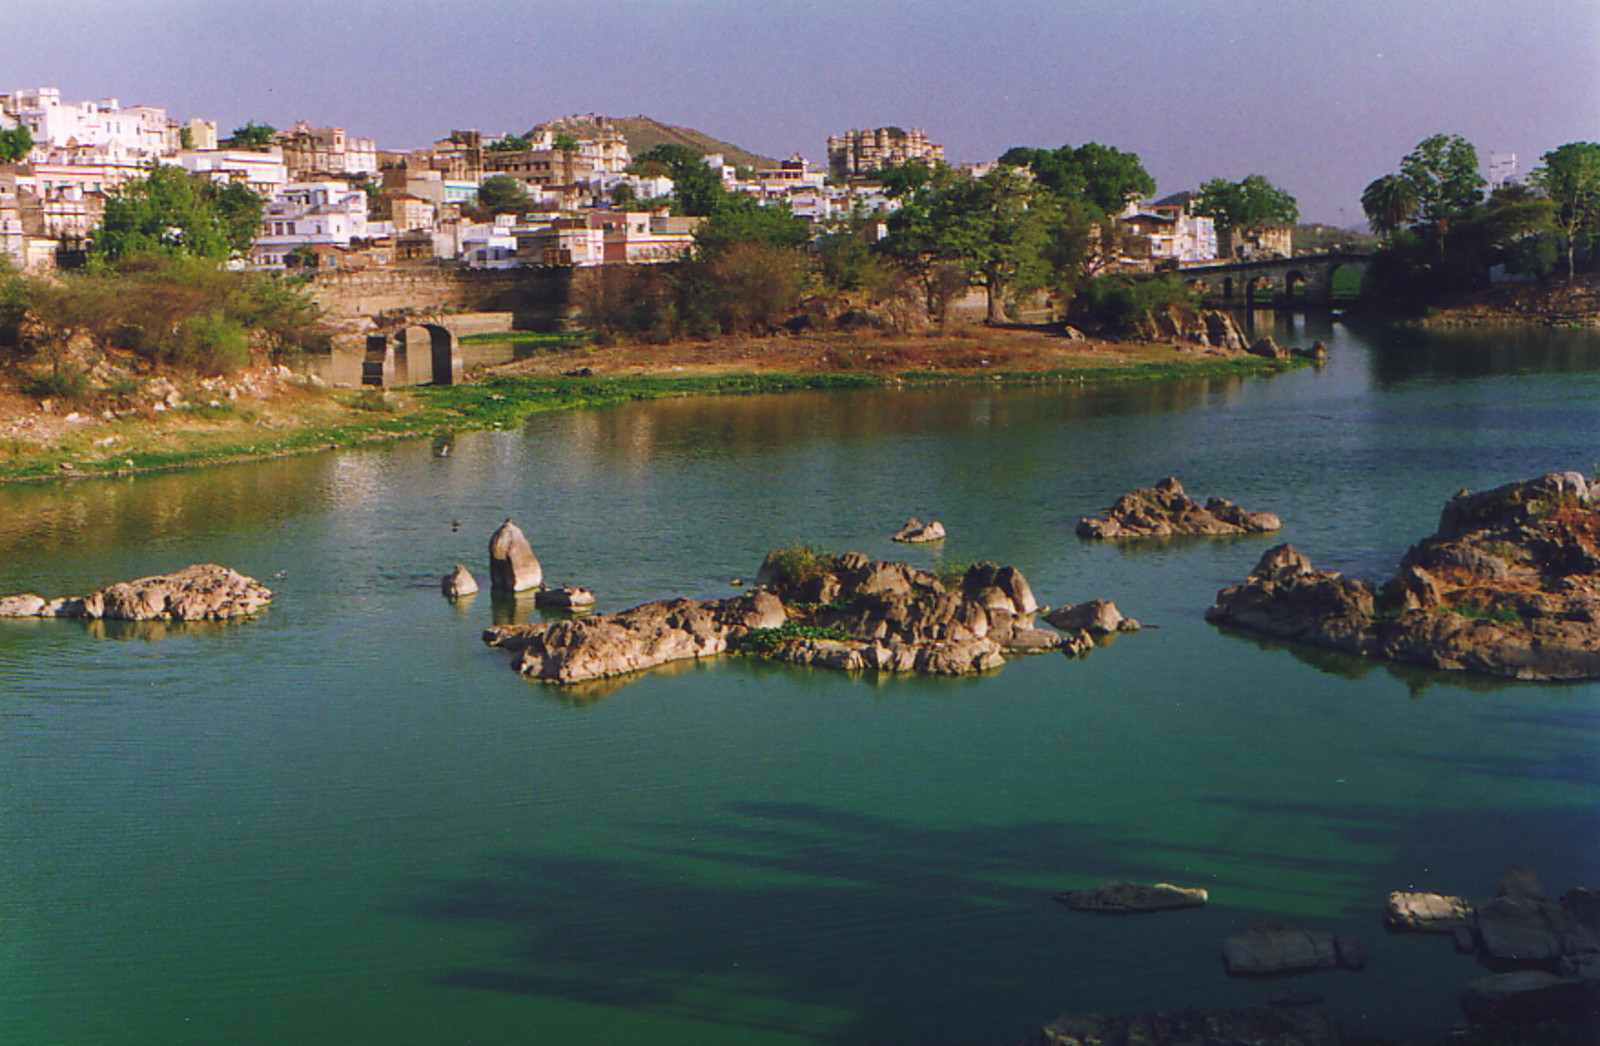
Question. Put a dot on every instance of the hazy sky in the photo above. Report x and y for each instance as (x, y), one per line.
(1320, 97)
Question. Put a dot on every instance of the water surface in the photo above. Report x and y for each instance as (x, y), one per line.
(348, 821)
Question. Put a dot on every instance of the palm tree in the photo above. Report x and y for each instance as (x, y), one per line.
(1390, 203)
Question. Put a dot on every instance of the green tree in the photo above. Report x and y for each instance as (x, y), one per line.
(257, 136)
(1569, 176)
(740, 219)
(15, 144)
(173, 212)
(1391, 203)
(1444, 170)
(502, 194)
(905, 178)
(1104, 176)
(999, 227)
(696, 186)
(511, 143)
(1251, 203)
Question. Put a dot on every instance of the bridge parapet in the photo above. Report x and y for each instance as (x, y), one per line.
(1306, 279)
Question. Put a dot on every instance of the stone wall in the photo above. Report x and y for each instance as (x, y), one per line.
(538, 299)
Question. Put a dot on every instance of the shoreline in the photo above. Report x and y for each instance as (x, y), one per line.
(291, 417)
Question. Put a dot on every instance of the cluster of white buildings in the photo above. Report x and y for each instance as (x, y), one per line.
(335, 201)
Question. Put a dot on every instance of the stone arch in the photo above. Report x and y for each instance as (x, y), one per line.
(389, 360)
(1344, 281)
(1258, 284)
(1296, 286)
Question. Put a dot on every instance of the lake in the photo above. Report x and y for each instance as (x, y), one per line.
(348, 821)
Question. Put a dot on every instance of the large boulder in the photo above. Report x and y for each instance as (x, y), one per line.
(1252, 1026)
(1530, 997)
(512, 564)
(916, 532)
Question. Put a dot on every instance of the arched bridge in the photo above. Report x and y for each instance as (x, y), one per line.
(1306, 279)
(414, 351)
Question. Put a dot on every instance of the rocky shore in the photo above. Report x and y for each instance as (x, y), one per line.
(1165, 510)
(842, 612)
(1509, 585)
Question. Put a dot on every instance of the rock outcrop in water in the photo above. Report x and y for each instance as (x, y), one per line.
(844, 612)
(1547, 952)
(1164, 510)
(1509, 585)
(202, 592)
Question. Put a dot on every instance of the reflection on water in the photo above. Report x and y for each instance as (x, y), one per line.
(1403, 354)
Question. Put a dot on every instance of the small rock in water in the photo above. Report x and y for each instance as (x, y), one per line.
(459, 582)
(916, 532)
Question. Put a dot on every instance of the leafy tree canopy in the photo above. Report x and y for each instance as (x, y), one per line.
(511, 143)
(173, 212)
(1104, 176)
(741, 219)
(1444, 170)
(1570, 177)
(15, 144)
(502, 194)
(1251, 203)
(697, 187)
(253, 136)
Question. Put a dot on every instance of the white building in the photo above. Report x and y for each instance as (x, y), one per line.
(265, 172)
(311, 214)
(115, 133)
(1502, 170)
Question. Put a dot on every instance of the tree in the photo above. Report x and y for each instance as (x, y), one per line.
(904, 178)
(502, 194)
(1570, 177)
(15, 144)
(1444, 170)
(511, 143)
(257, 136)
(173, 212)
(740, 219)
(695, 185)
(1106, 177)
(1391, 203)
(998, 227)
(1252, 203)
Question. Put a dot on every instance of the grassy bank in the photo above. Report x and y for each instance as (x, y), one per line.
(302, 420)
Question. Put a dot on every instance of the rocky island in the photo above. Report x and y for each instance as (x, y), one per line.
(833, 611)
(1164, 510)
(1509, 585)
(202, 592)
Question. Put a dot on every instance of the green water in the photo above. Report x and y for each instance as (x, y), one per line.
(349, 822)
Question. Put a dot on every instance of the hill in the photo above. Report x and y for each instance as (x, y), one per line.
(643, 133)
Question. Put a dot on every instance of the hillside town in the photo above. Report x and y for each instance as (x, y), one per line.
(334, 201)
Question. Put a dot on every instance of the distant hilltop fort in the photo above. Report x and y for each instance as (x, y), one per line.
(856, 153)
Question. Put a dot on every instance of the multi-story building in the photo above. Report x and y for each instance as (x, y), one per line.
(1173, 232)
(115, 133)
(312, 153)
(311, 215)
(265, 172)
(858, 153)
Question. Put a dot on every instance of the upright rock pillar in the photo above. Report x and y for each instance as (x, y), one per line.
(512, 564)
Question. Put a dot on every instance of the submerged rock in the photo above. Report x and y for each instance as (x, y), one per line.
(1164, 510)
(1509, 585)
(201, 592)
(512, 564)
(1271, 949)
(1120, 897)
(567, 597)
(1288, 1025)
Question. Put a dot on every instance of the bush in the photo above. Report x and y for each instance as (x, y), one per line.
(59, 382)
(1119, 304)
